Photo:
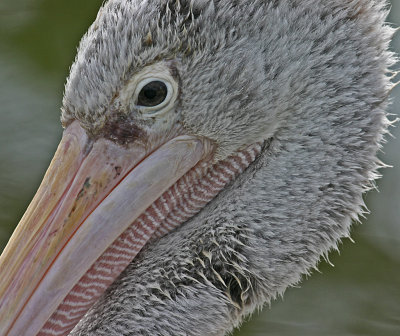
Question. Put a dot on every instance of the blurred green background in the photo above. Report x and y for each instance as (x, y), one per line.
(38, 40)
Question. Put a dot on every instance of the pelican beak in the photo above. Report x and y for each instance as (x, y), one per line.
(93, 191)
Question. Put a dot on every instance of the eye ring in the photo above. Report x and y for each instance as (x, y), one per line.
(145, 108)
(158, 96)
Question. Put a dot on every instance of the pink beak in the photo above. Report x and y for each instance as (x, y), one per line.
(58, 261)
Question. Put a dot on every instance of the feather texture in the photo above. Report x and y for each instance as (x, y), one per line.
(311, 77)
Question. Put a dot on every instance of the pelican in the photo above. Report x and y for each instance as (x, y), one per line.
(212, 152)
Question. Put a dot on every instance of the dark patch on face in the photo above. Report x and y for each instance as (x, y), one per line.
(117, 171)
(122, 130)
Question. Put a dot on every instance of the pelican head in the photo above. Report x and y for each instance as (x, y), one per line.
(212, 152)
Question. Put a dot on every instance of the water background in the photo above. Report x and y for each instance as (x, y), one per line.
(360, 295)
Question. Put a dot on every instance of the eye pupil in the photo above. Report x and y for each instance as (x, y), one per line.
(152, 94)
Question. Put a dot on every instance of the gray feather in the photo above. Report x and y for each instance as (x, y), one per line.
(310, 79)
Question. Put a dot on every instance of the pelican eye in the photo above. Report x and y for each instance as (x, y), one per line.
(152, 94)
